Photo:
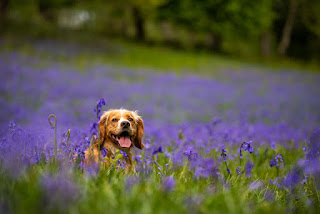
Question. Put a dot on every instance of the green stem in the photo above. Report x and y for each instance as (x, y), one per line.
(54, 126)
(68, 135)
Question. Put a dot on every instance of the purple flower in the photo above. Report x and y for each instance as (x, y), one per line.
(130, 181)
(229, 171)
(223, 153)
(124, 154)
(248, 168)
(157, 150)
(168, 184)
(100, 103)
(104, 152)
(273, 163)
(279, 158)
(94, 128)
(274, 182)
(273, 145)
(138, 158)
(305, 180)
(238, 170)
(276, 161)
(12, 125)
(293, 178)
(191, 155)
(246, 147)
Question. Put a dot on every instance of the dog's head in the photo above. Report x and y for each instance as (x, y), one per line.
(124, 128)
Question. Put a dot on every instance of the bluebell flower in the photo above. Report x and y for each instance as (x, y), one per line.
(305, 180)
(273, 145)
(273, 162)
(157, 150)
(293, 178)
(238, 170)
(274, 182)
(130, 181)
(248, 168)
(104, 152)
(138, 158)
(100, 103)
(124, 154)
(223, 153)
(276, 161)
(12, 125)
(94, 128)
(191, 155)
(168, 184)
(279, 158)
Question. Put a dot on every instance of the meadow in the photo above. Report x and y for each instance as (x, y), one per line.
(220, 136)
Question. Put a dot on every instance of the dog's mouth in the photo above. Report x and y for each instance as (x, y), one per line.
(123, 139)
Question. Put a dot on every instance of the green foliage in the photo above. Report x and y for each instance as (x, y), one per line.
(115, 191)
(244, 18)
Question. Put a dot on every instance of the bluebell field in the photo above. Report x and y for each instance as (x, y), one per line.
(243, 140)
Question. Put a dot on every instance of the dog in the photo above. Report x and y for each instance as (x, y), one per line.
(119, 131)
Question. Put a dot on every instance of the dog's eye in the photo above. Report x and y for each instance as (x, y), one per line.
(130, 119)
(114, 120)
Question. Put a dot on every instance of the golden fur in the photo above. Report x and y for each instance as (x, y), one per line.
(117, 128)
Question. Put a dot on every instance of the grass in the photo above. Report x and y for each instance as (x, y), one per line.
(109, 191)
(48, 187)
(122, 53)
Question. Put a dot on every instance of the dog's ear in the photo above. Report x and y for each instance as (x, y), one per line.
(102, 128)
(138, 139)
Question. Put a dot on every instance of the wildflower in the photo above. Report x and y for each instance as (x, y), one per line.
(100, 103)
(245, 147)
(124, 154)
(191, 155)
(157, 150)
(248, 168)
(130, 181)
(228, 170)
(273, 145)
(293, 178)
(94, 128)
(249, 148)
(223, 153)
(305, 180)
(256, 185)
(274, 182)
(12, 125)
(238, 170)
(168, 184)
(276, 161)
(273, 163)
(104, 152)
(279, 158)
(138, 158)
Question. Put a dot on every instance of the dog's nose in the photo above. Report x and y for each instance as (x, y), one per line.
(125, 124)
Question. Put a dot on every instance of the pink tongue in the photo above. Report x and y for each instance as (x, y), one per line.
(125, 141)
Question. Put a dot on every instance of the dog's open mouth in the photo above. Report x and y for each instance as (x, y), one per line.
(124, 139)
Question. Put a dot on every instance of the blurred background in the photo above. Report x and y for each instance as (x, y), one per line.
(250, 30)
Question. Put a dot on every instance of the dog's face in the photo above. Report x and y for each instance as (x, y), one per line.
(124, 128)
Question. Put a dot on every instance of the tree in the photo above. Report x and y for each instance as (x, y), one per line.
(47, 8)
(4, 4)
(220, 18)
(287, 29)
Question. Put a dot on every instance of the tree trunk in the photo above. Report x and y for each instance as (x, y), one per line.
(216, 42)
(4, 4)
(45, 8)
(138, 24)
(266, 44)
(287, 29)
